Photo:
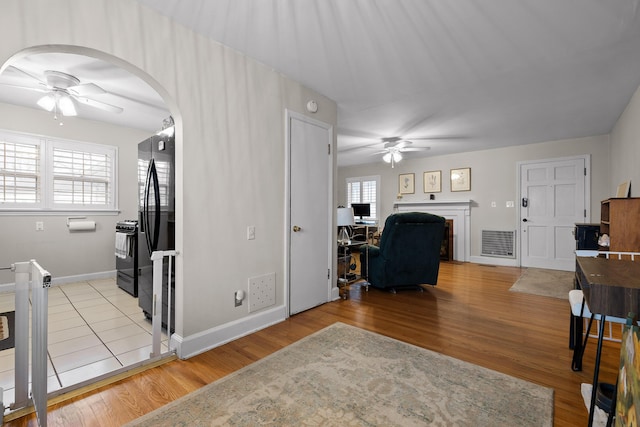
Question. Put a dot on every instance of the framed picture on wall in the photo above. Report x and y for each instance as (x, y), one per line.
(432, 182)
(461, 179)
(406, 183)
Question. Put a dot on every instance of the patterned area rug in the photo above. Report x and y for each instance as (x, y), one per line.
(346, 376)
(548, 283)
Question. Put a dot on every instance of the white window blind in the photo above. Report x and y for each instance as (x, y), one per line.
(19, 173)
(364, 190)
(56, 175)
(81, 178)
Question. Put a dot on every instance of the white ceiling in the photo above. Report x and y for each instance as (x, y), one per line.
(467, 75)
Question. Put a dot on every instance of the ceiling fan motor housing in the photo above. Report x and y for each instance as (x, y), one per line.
(60, 80)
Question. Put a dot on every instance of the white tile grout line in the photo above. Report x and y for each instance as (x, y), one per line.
(89, 325)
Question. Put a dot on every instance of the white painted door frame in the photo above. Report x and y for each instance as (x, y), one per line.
(326, 237)
(587, 192)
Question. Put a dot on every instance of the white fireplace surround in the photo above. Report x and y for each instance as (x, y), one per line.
(457, 210)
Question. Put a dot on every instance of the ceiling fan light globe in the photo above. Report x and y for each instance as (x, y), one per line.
(66, 106)
(387, 157)
(397, 157)
(47, 102)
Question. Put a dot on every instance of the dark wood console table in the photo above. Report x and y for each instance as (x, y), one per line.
(611, 287)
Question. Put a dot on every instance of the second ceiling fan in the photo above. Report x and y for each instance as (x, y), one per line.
(394, 147)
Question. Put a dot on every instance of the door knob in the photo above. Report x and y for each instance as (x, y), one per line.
(525, 220)
(296, 228)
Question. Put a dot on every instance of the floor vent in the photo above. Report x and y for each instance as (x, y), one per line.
(499, 243)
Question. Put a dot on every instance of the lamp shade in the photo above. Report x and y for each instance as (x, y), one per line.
(345, 217)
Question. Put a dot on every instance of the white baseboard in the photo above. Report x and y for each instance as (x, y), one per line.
(55, 281)
(200, 342)
(505, 262)
(83, 277)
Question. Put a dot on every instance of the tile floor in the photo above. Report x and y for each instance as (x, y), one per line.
(94, 328)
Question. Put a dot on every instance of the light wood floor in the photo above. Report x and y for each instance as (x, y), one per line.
(470, 315)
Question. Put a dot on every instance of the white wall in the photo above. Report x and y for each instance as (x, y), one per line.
(625, 148)
(230, 141)
(493, 179)
(63, 253)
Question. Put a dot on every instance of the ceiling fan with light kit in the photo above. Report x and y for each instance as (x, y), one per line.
(63, 92)
(394, 147)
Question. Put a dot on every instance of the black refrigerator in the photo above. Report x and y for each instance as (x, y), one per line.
(156, 216)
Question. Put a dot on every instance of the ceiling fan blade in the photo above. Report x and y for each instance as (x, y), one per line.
(86, 89)
(359, 147)
(27, 74)
(436, 137)
(415, 149)
(98, 104)
(32, 88)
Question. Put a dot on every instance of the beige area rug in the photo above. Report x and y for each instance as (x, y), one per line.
(548, 283)
(346, 376)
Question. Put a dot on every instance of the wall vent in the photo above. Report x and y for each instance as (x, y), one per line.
(500, 244)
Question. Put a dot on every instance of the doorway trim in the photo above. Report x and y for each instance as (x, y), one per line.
(175, 114)
(289, 114)
(587, 191)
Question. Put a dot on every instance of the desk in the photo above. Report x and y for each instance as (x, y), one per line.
(611, 287)
(346, 261)
(364, 232)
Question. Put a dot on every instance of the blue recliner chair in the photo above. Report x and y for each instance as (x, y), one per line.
(409, 252)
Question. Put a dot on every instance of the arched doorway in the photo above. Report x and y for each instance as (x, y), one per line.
(116, 104)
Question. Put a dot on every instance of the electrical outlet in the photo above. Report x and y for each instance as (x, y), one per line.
(39, 226)
(251, 232)
(493, 204)
(510, 204)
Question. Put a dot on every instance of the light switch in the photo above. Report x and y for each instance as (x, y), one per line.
(251, 232)
(39, 226)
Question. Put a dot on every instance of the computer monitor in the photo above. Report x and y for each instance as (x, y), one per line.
(361, 209)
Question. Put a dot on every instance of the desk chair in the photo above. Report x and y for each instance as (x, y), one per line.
(580, 314)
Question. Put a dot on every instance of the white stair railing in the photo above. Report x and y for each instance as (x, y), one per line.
(31, 273)
(156, 309)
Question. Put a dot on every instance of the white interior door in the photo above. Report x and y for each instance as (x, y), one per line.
(554, 197)
(310, 213)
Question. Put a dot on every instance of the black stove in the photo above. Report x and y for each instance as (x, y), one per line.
(127, 260)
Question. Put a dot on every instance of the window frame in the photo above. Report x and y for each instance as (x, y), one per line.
(47, 205)
(361, 180)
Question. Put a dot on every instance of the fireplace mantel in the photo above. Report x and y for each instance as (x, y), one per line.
(457, 210)
(456, 204)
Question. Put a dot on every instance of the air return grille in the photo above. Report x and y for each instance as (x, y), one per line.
(499, 243)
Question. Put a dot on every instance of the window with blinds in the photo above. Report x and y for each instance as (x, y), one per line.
(52, 175)
(19, 174)
(364, 190)
(81, 177)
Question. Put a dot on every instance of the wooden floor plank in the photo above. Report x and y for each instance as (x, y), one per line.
(469, 315)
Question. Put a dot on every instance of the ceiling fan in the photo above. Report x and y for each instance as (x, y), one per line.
(62, 92)
(394, 147)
